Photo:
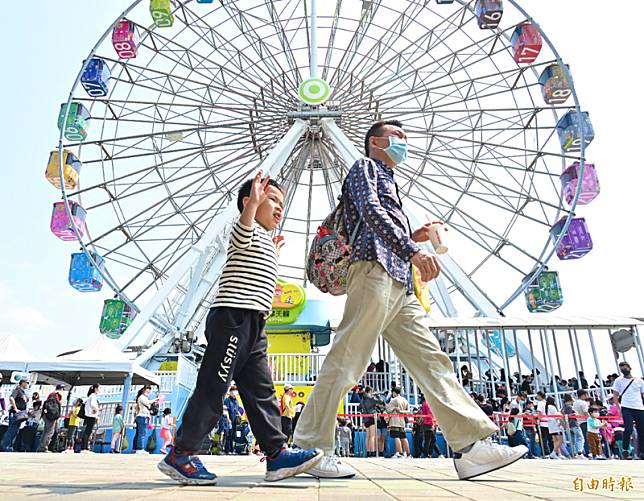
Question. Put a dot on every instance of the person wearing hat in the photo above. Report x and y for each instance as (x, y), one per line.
(51, 412)
(17, 414)
(287, 408)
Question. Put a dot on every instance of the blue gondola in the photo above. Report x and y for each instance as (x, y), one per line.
(83, 275)
(569, 130)
(96, 78)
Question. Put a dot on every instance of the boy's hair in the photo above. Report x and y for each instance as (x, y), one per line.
(375, 131)
(167, 411)
(395, 390)
(244, 191)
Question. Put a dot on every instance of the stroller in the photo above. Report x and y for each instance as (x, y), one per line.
(243, 439)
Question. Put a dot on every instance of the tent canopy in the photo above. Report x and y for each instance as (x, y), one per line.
(101, 362)
(13, 356)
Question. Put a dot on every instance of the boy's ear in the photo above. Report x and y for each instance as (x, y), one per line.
(245, 200)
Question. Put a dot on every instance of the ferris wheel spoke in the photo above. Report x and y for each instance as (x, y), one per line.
(366, 18)
(264, 52)
(331, 40)
(221, 72)
(395, 32)
(456, 60)
(501, 193)
(472, 83)
(528, 196)
(185, 85)
(137, 142)
(470, 225)
(381, 47)
(267, 52)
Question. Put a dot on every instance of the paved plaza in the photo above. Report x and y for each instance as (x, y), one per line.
(127, 477)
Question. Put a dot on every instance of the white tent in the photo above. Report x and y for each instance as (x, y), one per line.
(101, 362)
(13, 356)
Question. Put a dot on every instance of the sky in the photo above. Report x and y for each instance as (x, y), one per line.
(47, 46)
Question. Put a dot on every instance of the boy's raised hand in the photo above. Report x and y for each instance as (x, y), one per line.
(278, 240)
(258, 193)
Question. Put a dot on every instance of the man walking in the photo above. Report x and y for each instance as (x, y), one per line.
(380, 300)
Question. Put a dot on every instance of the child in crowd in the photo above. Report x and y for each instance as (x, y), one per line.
(593, 435)
(118, 429)
(74, 424)
(223, 428)
(166, 429)
(237, 346)
(344, 434)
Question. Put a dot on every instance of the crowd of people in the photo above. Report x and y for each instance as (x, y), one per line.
(31, 424)
(573, 423)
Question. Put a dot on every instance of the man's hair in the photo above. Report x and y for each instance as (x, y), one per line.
(244, 191)
(376, 129)
(568, 397)
(624, 364)
(396, 391)
(541, 394)
(581, 393)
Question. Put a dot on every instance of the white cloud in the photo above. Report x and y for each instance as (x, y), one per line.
(17, 316)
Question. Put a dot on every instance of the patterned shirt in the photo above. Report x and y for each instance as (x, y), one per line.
(384, 235)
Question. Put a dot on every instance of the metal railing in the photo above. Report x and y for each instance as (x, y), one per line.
(295, 368)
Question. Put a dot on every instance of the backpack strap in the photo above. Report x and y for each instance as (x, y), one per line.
(627, 387)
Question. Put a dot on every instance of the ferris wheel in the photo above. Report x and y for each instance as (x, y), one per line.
(181, 101)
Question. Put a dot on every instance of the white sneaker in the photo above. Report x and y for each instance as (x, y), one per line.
(553, 456)
(397, 455)
(331, 467)
(141, 451)
(440, 456)
(485, 456)
(561, 456)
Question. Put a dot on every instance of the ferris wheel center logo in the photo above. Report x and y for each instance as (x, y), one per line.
(314, 91)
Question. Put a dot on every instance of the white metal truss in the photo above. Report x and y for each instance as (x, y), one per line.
(204, 261)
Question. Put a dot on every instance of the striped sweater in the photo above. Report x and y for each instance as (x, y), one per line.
(250, 273)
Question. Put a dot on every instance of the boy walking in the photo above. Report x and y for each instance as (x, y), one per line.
(237, 346)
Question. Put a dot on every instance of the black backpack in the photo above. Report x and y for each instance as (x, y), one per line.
(154, 409)
(81, 411)
(52, 408)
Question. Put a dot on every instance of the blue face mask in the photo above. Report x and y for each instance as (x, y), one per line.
(397, 150)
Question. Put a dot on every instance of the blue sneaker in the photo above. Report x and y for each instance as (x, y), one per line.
(290, 462)
(186, 469)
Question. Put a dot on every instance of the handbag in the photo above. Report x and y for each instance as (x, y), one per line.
(125, 443)
(20, 416)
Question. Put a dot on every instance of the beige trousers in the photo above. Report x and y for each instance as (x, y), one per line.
(376, 304)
